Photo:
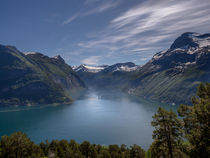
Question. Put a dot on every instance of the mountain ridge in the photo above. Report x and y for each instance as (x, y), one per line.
(178, 69)
(171, 76)
(35, 78)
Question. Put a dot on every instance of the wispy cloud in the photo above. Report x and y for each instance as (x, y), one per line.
(93, 60)
(103, 7)
(151, 26)
(72, 18)
(93, 7)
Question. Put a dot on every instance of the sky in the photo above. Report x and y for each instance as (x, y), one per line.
(97, 32)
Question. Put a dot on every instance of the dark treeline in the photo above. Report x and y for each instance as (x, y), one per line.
(185, 137)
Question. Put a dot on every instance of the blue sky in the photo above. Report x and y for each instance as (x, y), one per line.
(100, 31)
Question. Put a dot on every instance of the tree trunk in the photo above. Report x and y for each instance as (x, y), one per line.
(169, 144)
(170, 150)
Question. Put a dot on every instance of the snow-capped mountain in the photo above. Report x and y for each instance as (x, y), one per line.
(123, 67)
(179, 69)
(187, 50)
(191, 40)
(170, 76)
(87, 68)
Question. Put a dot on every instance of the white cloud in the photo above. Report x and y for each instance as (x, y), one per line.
(103, 7)
(72, 18)
(150, 27)
(94, 9)
(93, 60)
(146, 28)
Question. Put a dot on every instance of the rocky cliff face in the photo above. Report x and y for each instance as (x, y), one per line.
(34, 78)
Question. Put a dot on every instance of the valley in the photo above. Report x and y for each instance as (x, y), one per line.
(105, 79)
(171, 76)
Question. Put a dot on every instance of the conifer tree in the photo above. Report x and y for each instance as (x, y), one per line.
(18, 145)
(197, 122)
(167, 134)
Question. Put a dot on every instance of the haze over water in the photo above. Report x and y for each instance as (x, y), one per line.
(101, 118)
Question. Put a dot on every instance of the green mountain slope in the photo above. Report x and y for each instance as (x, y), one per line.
(35, 78)
(165, 87)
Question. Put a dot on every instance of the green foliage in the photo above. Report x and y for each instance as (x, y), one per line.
(167, 134)
(183, 138)
(85, 148)
(105, 154)
(197, 122)
(18, 145)
(137, 152)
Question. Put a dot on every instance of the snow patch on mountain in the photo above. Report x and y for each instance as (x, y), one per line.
(190, 40)
(88, 68)
(125, 68)
(202, 40)
(57, 57)
(30, 53)
(159, 55)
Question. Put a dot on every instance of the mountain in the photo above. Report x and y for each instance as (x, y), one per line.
(87, 68)
(121, 67)
(191, 40)
(106, 77)
(171, 75)
(33, 78)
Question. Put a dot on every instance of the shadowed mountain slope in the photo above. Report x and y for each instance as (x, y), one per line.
(34, 78)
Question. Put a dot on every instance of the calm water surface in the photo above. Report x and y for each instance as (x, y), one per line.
(97, 117)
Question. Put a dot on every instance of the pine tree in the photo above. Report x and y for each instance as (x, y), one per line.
(197, 122)
(18, 145)
(85, 148)
(167, 134)
(137, 152)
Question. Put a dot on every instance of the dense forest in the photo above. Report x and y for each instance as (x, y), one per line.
(182, 136)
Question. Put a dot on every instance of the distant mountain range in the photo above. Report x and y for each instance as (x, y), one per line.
(126, 67)
(107, 77)
(33, 78)
(86, 68)
(171, 76)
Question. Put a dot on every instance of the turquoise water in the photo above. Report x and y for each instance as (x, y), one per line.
(97, 117)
